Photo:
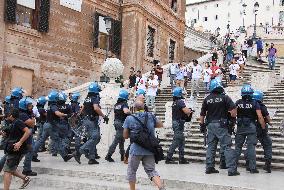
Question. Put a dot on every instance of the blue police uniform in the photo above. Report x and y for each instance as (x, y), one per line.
(178, 122)
(246, 129)
(264, 139)
(119, 118)
(215, 107)
(91, 122)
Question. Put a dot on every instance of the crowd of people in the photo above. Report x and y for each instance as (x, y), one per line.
(150, 84)
(62, 121)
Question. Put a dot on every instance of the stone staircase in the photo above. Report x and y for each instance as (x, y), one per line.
(195, 150)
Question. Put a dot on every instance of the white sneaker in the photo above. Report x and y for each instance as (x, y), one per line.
(198, 95)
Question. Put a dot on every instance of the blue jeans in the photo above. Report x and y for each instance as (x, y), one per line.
(229, 57)
(28, 157)
(271, 61)
(206, 84)
(93, 131)
(178, 140)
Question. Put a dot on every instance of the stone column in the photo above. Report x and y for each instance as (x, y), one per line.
(112, 68)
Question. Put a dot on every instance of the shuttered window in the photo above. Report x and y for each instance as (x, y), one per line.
(150, 41)
(116, 37)
(174, 5)
(172, 48)
(100, 34)
(32, 14)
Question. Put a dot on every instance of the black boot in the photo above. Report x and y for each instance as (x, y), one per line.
(247, 166)
(233, 173)
(267, 166)
(183, 161)
(170, 161)
(109, 158)
(254, 171)
(67, 158)
(97, 156)
(122, 157)
(211, 171)
(93, 161)
(29, 173)
(77, 156)
(35, 159)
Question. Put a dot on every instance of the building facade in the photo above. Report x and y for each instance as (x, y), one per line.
(57, 44)
(211, 14)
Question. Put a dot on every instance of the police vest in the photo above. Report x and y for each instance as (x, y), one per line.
(177, 112)
(42, 117)
(89, 107)
(64, 108)
(246, 109)
(118, 111)
(51, 117)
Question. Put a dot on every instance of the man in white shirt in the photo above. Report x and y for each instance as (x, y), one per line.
(207, 72)
(172, 73)
(234, 67)
(196, 76)
(140, 81)
(152, 87)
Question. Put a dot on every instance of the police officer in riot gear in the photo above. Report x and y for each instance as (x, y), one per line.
(75, 105)
(215, 108)
(26, 115)
(41, 101)
(248, 112)
(75, 122)
(64, 128)
(16, 96)
(91, 111)
(262, 134)
(179, 113)
(52, 126)
(121, 111)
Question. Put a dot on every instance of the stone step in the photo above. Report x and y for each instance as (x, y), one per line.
(199, 159)
(199, 147)
(198, 138)
(277, 148)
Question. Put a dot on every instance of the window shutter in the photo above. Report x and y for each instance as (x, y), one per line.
(43, 25)
(10, 11)
(96, 31)
(116, 37)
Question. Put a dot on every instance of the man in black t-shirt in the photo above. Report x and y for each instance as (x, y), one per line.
(18, 135)
(132, 78)
(215, 108)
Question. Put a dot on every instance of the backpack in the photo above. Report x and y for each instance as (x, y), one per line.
(146, 140)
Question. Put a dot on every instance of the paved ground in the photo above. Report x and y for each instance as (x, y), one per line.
(189, 173)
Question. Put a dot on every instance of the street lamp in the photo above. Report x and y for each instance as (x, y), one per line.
(244, 14)
(256, 7)
(108, 28)
(217, 31)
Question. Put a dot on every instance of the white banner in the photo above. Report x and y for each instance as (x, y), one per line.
(27, 3)
(72, 4)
